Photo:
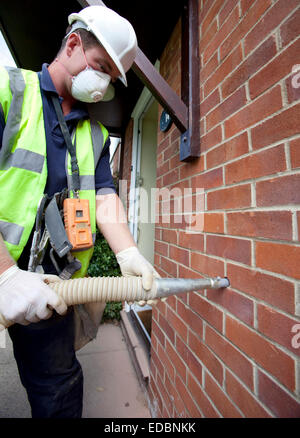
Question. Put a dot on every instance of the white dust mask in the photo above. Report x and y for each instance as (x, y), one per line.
(90, 85)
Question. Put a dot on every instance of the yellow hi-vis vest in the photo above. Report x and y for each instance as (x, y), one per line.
(23, 160)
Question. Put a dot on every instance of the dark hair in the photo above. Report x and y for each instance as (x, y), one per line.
(87, 38)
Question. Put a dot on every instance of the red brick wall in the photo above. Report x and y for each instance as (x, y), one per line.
(233, 353)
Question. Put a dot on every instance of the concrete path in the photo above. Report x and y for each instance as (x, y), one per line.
(111, 388)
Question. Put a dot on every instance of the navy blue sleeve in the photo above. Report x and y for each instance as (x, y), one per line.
(104, 182)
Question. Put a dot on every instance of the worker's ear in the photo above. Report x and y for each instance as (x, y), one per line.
(73, 42)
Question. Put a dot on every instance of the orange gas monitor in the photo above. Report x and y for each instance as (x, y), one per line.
(77, 223)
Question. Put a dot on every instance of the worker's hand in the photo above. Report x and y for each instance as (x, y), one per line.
(132, 263)
(26, 298)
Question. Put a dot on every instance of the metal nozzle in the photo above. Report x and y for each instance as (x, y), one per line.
(175, 286)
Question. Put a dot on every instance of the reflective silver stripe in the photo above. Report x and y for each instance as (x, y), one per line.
(87, 182)
(94, 238)
(11, 233)
(12, 127)
(97, 140)
(24, 159)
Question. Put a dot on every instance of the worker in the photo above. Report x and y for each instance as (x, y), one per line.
(98, 49)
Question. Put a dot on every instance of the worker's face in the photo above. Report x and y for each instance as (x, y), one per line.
(96, 57)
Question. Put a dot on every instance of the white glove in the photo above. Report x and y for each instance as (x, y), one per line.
(133, 263)
(25, 297)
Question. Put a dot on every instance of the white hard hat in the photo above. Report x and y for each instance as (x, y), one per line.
(114, 32)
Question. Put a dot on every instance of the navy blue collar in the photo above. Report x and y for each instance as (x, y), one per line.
(79, 111)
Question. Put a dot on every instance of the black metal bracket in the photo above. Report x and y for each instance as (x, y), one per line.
(184, 110)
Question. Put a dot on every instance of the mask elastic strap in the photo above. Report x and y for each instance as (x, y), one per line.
(81, 45)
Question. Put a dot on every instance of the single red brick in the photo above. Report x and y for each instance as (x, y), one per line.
(208, 180)
(191, 168)
(277, 400)
(229, 248)
(211, 139)
(207, 311)
(169, 236)
(207, 265)
(214, 223)
(235, 303)
(272, 290)
(230, 198)
(271, 20)
(277, 326)
(233, 148)
(232, 358)
(191, 240)
(229, 106)
(280, 258)
(209, 103)
(220, 399)
(258, 110)
(161, 248)
(180, 255)
(163, 169)
(246, 402)
(278, 191)
(169, 267)
(273, 360)
(267, 224)
(290, 29)
(256, 165)
(277, 128)
(275, 70)
(171, 177)
(262, 55)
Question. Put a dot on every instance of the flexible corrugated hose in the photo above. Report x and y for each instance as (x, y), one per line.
(107, 289)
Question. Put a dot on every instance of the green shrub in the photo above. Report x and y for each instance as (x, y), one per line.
(104, 264)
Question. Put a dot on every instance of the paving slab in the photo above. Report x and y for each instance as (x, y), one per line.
(111, 386)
